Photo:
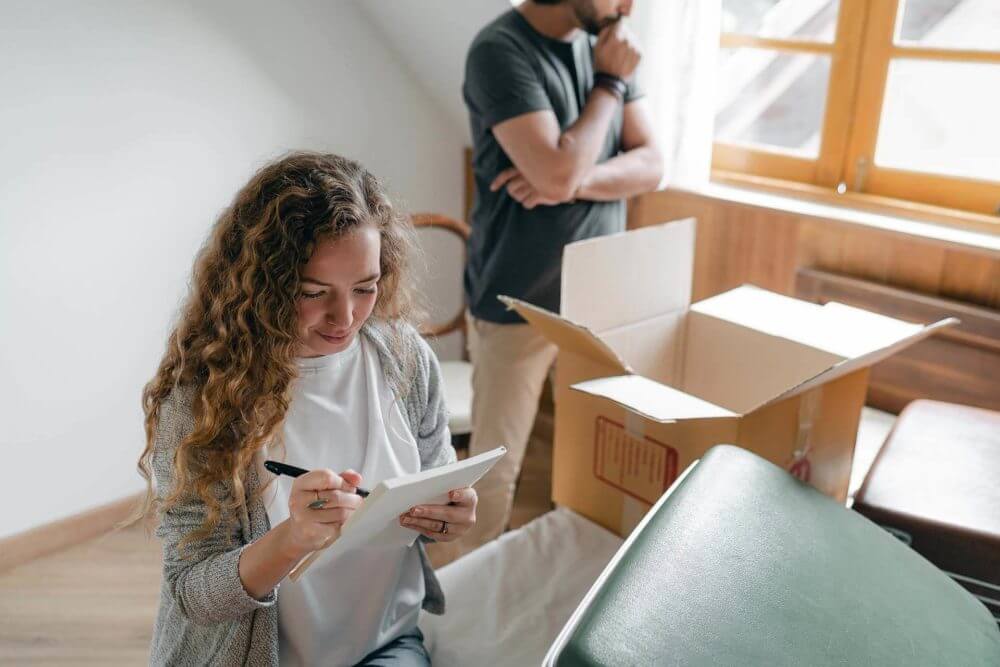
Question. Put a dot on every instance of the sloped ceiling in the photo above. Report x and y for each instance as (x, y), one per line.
(431, 38)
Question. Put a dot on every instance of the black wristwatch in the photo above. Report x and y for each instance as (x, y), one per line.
(614, 84)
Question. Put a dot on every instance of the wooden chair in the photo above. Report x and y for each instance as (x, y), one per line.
(457, 375)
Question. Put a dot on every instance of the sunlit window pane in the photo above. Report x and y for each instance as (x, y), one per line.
(772, 99)
(798, 19)
(956, 24)
(941, 117)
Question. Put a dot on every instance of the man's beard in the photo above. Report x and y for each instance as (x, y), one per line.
(588, 21)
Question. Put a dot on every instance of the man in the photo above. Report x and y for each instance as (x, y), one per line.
(560, 138)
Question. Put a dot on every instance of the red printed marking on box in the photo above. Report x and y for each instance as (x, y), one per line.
(640, 467)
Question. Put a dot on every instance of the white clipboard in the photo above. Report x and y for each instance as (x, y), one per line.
(376, 522)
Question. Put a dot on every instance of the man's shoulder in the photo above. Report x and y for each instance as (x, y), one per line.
(503, 33)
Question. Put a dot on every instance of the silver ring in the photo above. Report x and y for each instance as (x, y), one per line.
(317, 504)
(444, 528)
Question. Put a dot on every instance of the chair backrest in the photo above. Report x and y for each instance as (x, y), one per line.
(460, 229)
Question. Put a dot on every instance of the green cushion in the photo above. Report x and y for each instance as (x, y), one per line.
(744, 565)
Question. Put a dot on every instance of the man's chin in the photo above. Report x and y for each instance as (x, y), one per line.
(595, 27)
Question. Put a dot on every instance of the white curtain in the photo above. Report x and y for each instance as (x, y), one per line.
(680, 44)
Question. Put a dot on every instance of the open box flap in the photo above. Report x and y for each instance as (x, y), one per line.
(739, 367)
(850, 365)
(841, 330)
(650, 399)
(620, 279)
(567, 335)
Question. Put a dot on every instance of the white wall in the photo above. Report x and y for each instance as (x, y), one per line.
(432, 37)
(127, 127)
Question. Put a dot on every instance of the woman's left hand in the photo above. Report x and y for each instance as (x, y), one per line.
(444, 523)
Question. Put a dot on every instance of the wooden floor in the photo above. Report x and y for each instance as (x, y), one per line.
(95, 604)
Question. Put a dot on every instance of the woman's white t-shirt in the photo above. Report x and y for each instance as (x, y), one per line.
(343, 415)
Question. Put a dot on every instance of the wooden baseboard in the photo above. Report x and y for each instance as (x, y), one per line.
(25, 547)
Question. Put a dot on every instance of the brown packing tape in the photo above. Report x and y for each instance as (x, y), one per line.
(634, 425)
(828, 436)
(633, 509)
(810, 404)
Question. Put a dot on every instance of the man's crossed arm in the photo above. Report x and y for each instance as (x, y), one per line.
(552, 167)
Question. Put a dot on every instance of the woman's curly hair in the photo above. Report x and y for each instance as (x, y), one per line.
(234, 348)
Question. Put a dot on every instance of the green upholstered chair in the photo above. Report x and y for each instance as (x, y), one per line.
(739, 563)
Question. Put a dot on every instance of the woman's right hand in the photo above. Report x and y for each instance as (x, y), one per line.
(311, 529)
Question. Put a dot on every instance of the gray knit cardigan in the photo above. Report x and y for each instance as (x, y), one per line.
(206, 616)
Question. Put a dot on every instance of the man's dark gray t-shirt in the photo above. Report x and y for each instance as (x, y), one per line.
(512, 70)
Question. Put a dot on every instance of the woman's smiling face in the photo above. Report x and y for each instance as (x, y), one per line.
(338, 290)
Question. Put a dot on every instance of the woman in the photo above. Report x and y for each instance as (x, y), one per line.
(295, 344)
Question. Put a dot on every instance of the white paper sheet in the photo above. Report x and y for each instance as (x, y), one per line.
(376, 523)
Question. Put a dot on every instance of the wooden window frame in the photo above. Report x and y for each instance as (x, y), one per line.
(865, 35)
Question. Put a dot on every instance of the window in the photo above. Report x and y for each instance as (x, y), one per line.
(896, 98)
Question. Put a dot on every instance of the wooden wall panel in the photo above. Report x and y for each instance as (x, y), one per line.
(821, 245)
(775, 241)
(974, 279)
(735, 245)
(739, 243)
(938, 369)
(865, 259)
(917, 265)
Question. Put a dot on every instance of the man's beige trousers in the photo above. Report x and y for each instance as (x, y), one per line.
(510, 364)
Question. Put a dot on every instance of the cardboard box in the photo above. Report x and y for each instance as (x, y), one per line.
(647, 382)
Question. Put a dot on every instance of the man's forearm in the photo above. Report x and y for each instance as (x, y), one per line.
(581, 143)
(626, 175)
(553, 162)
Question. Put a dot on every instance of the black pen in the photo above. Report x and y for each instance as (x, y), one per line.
(279, 468)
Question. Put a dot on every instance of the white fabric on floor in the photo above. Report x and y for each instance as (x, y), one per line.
(507, 600)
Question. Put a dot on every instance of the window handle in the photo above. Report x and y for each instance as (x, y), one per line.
(861, 174)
